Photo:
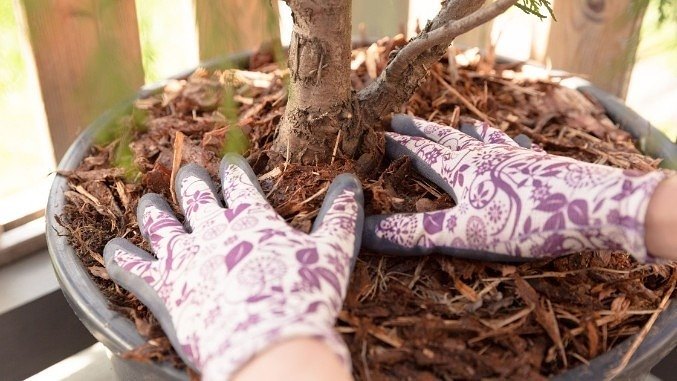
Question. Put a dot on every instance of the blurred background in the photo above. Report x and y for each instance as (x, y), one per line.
(169, 43)
(63, 62)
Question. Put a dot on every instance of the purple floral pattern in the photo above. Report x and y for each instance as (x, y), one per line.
(402, 229)
(520, 202)
(243, 279)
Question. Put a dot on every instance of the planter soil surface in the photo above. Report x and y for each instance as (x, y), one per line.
(421, 318)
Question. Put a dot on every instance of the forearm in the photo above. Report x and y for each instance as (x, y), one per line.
(297, 359)
(661, 220)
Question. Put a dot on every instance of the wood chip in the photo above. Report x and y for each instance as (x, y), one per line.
(99, 271)
(176, 162)
(465, 290)
(275, 172)
(637, 341)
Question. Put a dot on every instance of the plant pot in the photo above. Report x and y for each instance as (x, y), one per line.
(119, 334)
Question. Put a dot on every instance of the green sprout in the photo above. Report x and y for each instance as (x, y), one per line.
(235, 140)
(123, 130)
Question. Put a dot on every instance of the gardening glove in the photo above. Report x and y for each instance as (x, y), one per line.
(239, 279)
(512, 203)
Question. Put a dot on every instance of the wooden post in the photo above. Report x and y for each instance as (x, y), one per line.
(596, 39)
(87, 56)
(228, 26)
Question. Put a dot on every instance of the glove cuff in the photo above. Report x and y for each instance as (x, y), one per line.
(241, 352)
(630, 217)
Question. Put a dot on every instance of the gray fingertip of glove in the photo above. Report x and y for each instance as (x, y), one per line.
(119, 275)
(151, 200)
(201, 173)
(240, 162)
(122, 244)
(371, 241)
(470, 130)
(523, 141)
(141, 289)
(404, 124)
(345, 181)
(394, 149)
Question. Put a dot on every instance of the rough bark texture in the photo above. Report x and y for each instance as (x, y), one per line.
(323, 112)
(453, 10)
(321, 102)
(409, 66)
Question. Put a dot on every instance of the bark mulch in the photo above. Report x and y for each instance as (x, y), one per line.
(417, 318)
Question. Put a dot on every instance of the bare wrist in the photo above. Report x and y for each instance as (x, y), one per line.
(661, 220)
(289, 360)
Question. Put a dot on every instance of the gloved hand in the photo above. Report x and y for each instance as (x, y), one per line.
(512, 203)
(239, 279)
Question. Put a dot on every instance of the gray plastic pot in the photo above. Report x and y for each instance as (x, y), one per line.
(119, 335)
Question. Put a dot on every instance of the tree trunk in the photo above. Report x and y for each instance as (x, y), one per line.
(321, 102)
(324, 118)
(399, 81)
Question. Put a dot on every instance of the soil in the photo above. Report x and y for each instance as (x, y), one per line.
(419, 318)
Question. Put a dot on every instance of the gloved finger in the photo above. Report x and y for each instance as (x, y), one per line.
(136, 271)
(127, 264)
(240, 185)
(523, 141)
(431, 232)
(196, 195)
(526, 142)
(487, 134)
(449, 137)
(536, 148)
(427, 156)
(341, 217)
(402, 233)
(157, 223)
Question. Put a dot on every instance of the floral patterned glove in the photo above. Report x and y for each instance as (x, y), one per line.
(240, 279)
(512, 202)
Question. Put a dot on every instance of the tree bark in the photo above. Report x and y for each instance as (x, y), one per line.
(409, 66)
(321, 101)
(323, 115)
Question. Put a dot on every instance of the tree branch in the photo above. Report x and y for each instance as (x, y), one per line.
(454, 10)
(408, 67)
(444, 35)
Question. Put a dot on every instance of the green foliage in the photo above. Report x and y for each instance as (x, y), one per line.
(533, 7)
(121, 131)
(227, 107)
(124, 158)
(666, 10)
(132, 120)
(235, 140)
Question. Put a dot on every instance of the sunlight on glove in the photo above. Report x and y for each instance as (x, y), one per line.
(239, 279)
(512, 203)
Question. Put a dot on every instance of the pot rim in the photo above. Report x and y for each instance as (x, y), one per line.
(119, 334)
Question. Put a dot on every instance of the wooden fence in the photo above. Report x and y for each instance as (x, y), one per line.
(87, 53)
